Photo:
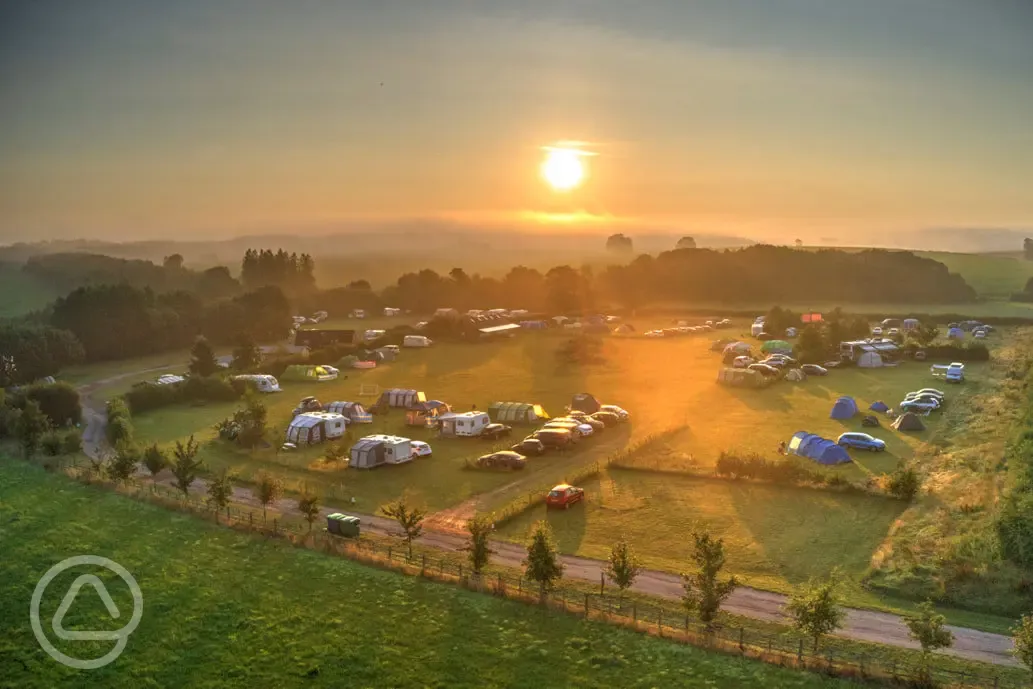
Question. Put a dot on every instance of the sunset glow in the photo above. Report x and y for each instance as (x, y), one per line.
(563, 168)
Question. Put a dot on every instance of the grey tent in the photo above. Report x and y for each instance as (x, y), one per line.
(517, 412)
(908, 422)
(366, 454)
(400, 398)
(387, 354)
(585, 402)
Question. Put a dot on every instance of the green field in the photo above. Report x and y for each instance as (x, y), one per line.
(993, 276)
(21, 293)
(223, 609)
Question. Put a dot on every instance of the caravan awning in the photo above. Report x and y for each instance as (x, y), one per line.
(496, 329)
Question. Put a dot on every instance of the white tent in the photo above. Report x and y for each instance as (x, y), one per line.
(869, 360)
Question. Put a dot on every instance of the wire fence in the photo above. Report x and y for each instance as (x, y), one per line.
(669, 621)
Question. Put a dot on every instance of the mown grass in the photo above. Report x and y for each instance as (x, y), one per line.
(225, 609)
(991, 275)
(21, 292)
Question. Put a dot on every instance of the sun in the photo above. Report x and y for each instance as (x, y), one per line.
(563, 169)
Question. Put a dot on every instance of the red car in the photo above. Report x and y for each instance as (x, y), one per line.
(564, 496)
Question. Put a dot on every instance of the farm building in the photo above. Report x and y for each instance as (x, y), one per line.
(262, 382)
(401, 398)
(585, 402)
(517, 412)
(741, 378)
(463, 424)
(353, 411)
(844, 408)
(304, 373)
(310, 428)
(422, 412)
(819, 449)
(375, 450)
(317, 338)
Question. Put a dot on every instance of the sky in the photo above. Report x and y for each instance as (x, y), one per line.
(201, 118)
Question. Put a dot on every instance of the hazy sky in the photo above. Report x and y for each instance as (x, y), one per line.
(197, 117)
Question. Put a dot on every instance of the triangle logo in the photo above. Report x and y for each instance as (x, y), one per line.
(66, 604)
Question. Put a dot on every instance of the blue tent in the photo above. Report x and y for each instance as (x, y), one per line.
(956, 333)
(821, 450)
(844, 408)
(879, 406)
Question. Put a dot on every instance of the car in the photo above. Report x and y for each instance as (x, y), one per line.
(622, 413)
(861, 441)
(937, 402)
(814, 370)
(563, 496)
(654, 333)
(505, 459)
(597, 425)
(979, 334)
(494, 431)
(931, 391)
(581, 418)
(876, 330)
(609, 418)
(557, 438)
(307, 404)
(394, 348)
(529, 447)
(783, 357)
(742, 361)
(914, 405)
(420, 448)
(576, 427)
(893, 331)
(777, 363)
(763, 369)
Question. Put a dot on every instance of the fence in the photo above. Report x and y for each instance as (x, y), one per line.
(668, 621)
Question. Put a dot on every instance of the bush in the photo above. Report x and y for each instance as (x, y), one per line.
(120, 423)
(969, 351)
(753, 466)
(51, 444)
(148, 396)
(904, 484)
(71, 442)
(59, 401)
(8, 421)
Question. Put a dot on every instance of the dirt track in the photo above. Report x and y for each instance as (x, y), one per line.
(863, 625)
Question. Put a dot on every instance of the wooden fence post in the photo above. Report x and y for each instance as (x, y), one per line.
(799, 653)
(388, 553)
(274, 527)
(423, 565)
(586, 606)
(634, 611)
(251, 519)
(660, 621)
(499, 587)
(460, 571)
(602, 583)
(742, 645)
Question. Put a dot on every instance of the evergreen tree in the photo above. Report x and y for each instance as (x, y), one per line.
(542, 565)
(123, 464)
(479, 547)
(308, 505)
(155, 460)
(32, 424)
(202, 359)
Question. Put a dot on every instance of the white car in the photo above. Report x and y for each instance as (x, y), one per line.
(893, 331)
(876, 330)
(742, 362)
(420, 448)
(654, 333)
(614, 409)
(585, 429)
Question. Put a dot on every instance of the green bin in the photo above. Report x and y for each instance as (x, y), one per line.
(349, 526)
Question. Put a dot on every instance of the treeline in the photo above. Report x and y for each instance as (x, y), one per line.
(756, 273)
(292, 273)
(121, 321)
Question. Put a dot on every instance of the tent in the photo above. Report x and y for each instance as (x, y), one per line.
(741, 377)
(911, 324)
(585, 402)
(303, 373)
(421, 412)
(869, 360)
(795, 375)
(387, 353)
(353, 411)
(844, 408)
(908, 422)
(366, 454)
(956, 333)
(776, 346)
(310, 428)
(517, 412)
(819, 449)
(401, 398)
(738, 348)
(879, 406)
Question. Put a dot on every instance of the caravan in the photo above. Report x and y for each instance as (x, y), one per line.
(310, 428)
(467, 424)
(261, 382)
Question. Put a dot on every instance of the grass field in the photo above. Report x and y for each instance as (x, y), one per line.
(993, 276)
(21, 293)
(224, 609)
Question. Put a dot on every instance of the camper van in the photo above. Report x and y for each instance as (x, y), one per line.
(416, 341)
(261, 381)
(389, 311)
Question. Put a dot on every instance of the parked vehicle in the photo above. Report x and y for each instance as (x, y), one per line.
(926, 397)
(743, 362)
(622, 413)
(558, 438)
(505, 459)
(876, 330)
(861, 441)
(529, 447)
(913, 405)
(764, 370)
(420, 448)
(814, 370)
(563, 496)
(494, 431)
(608, 418)
(777, 363)
(574, 427)
(785, 358)
(307, 404)
(583, 418)
(931, 391)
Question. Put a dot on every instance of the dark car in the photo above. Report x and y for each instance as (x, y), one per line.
(307, 404)
(764, 370)
(494, 431)
(558, 438)
(506, 459)
(814, 370)
(580, 418)
(529, 447)
(608, 418)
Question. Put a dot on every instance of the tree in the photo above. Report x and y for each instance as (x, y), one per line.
(31, 426)
(308, 505)
(251, 420)
(686, 243)
(542, 564)
(202, 359)
(268, 490)
(246, 356)
(1022, 634)
(185, 464)
(704, 593)
(928, 628)
(623, 566)
(479, 547)
(810, 348)
(220, 490)
(123, 463)
(925, 334)
(154, 460)
(410, 519)
(815, 608)
(799, 243)
(173, 262)
(619, 243)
